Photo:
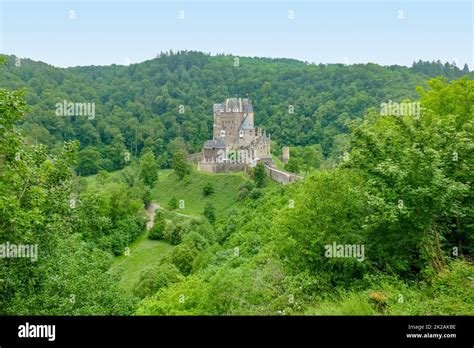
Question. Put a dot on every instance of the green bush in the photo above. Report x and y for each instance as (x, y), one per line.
(196, 240)
(183, 256)
(208, 189)
(173, 233)
(157, 232)
(153, 279)
(173, 203)
(245, 189)
(255, 194)
(210, 212)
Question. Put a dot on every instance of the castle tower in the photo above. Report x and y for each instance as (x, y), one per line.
(234, 130)
(235, 118)
(285, 151)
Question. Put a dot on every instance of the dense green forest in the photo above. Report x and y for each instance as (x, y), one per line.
(244, 244)
(148, 105)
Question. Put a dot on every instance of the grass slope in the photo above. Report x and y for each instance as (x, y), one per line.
(278, 163)
(226, 191)
(144, 253)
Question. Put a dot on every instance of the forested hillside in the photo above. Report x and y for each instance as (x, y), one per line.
(401, 196)
(150, 104)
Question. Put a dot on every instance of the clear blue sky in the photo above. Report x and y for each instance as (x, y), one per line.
(105, 31)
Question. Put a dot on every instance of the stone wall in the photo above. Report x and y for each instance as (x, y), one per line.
(221, 167)
(285, 154)
(195, 157)
(282, 176)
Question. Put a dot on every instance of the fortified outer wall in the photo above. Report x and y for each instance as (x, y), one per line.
(282, 176)
(221, 167)
(195, 157)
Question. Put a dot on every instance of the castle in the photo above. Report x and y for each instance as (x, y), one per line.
(236, 143)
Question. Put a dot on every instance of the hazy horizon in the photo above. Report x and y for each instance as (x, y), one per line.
(226, 54)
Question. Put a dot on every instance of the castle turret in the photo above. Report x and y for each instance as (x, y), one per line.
(285, 154)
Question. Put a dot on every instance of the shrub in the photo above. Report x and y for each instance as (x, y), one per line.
(186, 180)
(173, 203)
(208, 189)
(158, 230)
(183, 256)
(155, 278)
(102, 176)
(196, 240)
(176, 234)
(210, 212)
(255, 194)
(245, 189)
(259, 175)
(146, 198)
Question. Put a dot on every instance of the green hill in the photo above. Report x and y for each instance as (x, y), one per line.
(144, 253)
(226, 191)
(138, 105)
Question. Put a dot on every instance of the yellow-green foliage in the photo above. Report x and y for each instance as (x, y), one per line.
(451, 293)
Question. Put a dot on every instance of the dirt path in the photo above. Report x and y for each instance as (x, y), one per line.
(150, 213)
(173, 212)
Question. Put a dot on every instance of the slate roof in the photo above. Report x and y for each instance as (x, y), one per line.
(215, 144)
(246, 123)
(218, 107)
(232, 104)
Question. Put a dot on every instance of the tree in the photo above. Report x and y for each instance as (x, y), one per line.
(89, 161)
(180, 164)
(303, 231)
(210, 212)
(130, 176)
(208, 189)
(67, 276)
(293, 165)
(419, 187)
(173, 203)
(188, 297)
(159, 225)
(312, 157)
(183, 256)
(259, 175)
(148, 169)
(176, 234)
(102, 176)
(146, 197)
(465, 69)
(154, 278)
(245, 189)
